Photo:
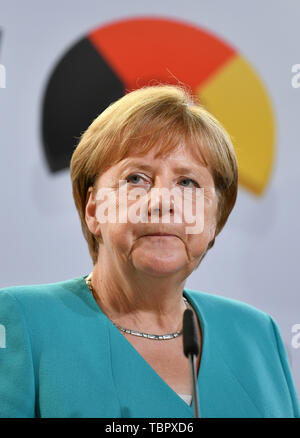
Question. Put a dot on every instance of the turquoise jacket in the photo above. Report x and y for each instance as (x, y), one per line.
(60, 356)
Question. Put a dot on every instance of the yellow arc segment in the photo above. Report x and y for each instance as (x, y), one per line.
(238, 99)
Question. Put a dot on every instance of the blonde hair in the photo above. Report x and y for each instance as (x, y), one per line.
(163, 116)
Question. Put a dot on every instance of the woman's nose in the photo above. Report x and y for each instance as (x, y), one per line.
(160, 204)
(161, 198)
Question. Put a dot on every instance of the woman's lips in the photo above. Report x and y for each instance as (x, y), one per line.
(160, 235)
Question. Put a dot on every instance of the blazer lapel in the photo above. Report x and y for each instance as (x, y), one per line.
(141, 391)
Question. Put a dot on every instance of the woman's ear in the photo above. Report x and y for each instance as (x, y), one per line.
(90, 212)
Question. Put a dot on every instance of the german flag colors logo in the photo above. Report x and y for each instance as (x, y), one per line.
(128, 54)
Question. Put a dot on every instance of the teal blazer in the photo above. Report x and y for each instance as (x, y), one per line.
(60, 356)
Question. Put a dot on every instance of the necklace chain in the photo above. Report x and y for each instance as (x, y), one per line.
(165, 337)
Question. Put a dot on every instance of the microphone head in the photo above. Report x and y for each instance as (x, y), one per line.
(190, 338)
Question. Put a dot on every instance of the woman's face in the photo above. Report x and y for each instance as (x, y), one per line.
(185, 209)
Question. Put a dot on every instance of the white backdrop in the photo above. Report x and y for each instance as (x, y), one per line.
(256, 257)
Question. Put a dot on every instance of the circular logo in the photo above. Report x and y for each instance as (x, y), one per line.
(128, 54)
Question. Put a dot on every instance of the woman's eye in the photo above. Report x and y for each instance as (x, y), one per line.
(188, 181)
(135, 178)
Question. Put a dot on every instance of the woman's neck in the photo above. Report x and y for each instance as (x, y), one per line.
(139, 301)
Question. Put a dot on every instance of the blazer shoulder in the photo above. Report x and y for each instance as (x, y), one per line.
(41, 292)
(222, 308)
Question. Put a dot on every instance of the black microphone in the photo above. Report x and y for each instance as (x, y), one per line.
(191, 351)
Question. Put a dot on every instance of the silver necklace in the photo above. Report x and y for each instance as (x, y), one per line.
(166, 337)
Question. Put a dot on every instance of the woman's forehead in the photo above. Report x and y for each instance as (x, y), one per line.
(181, 151)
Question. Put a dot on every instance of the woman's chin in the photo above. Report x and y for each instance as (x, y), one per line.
(159, 266)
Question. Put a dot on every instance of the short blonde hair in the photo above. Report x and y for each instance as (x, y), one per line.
(163, 116)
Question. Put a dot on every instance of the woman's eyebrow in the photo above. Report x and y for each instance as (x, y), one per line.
(177, 169)
(139, 165)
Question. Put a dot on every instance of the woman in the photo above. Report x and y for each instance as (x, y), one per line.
(96, 345)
